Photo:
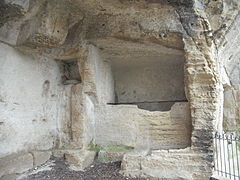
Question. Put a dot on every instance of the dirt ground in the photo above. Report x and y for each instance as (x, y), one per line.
(58, 169)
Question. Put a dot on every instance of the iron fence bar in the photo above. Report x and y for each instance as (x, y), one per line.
(220, 152)
(229, 163)
(229, 174)
(231, 136)
(216, 160)
(224, 154)
(232, 154)
(237, 158)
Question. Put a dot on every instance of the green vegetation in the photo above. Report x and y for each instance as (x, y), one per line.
(117, 147)
(93, 147)
(97, 148)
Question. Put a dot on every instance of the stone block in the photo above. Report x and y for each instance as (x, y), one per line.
(40, 157)
(110, 156)
(131, 161)
(9, 177)
(58, 153)
(16, 163)
(162, 164)
(79, 159)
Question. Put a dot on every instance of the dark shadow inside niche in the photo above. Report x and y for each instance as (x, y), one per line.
(70, 72)
(156, 106)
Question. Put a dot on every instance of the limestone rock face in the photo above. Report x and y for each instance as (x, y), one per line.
(154, 75)
(146, 129)
(230, 67)
(49, 27)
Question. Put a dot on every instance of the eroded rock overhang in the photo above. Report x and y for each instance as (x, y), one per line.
(119, 30)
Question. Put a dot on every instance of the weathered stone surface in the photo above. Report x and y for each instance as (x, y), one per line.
(32, 101)
(147, 129)
(230, 69)
(202, 34)
(9, 11)
(182, 164)
(16, 163)
(79, 159)
(110, 156)
(9, 177)
(231, 111)
(24, 4)
(147, 78)
(47, 29)
(112, 119)
(40, 157)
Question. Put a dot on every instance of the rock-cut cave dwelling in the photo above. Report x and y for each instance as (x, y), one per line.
(144, 82)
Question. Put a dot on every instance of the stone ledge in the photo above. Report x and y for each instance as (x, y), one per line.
(9, 177)
(16, 163)
(21, 162)
(166, 165)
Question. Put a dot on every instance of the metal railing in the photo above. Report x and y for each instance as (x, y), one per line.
(227, 155)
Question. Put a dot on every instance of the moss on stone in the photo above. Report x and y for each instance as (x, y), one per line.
(117, 147)
(97, 148)
(93, 147)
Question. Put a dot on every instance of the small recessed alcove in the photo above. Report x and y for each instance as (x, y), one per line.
(152, 83)
(69, 72)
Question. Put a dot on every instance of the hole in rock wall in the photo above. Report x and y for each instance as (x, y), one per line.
(70, 72)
